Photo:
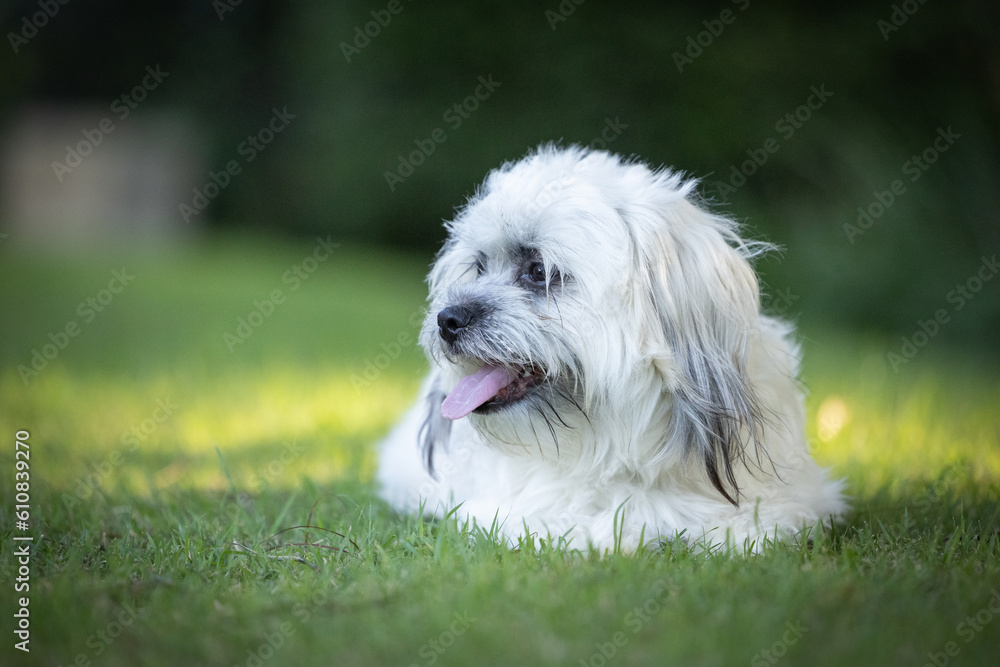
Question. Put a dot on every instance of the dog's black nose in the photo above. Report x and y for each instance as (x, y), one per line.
(452, 320)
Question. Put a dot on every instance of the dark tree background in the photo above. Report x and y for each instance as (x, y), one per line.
(701, 87)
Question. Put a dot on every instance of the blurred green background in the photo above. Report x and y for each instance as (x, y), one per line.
(700, 87)
(257, 412)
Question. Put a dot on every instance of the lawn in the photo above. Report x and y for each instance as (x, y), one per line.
(177, 451)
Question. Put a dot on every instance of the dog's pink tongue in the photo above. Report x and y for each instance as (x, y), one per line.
(474, 390)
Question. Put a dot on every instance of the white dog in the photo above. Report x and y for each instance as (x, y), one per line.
(602, 371)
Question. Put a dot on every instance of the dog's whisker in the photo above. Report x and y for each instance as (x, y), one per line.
(571, 399)
(555, 413)
(552, 431)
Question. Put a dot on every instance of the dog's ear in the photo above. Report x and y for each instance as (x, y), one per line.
(435, 430)
(706, 302)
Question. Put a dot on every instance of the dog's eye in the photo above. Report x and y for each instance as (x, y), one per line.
(535, 273)
(480, 265)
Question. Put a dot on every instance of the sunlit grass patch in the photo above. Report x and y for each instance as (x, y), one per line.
(271, 427)
(897, 432)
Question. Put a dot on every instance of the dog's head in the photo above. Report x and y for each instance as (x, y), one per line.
(588, 308)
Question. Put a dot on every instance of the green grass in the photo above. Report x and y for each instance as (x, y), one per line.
(275, 435)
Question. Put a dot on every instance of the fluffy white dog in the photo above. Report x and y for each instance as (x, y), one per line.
(602, 371)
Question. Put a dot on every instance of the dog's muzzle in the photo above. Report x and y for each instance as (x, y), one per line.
(497, 383)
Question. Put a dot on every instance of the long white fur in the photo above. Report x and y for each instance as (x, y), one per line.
(652, 331)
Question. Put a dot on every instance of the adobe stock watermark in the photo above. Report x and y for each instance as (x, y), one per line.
(898, 17)
(273, 640)
(946, 483)
(264, 308)
(246, 152)
(130, 440)
(223, 7)
(265, 475)
(101, 640)
(30, 25)
(21, 548)
(714, 28)
(776, 301)
(260, 478)
(562, 12)
(438, 646)
(230, 510)
(771, 655)
(915, 167)
(967, 630)
(88, 310)
(454, 116)
(613, 128)
(444, 466)
(635, 620)
(786, 126)
(374, 366)
(958, 297)
(122, 106)
(363, 35)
